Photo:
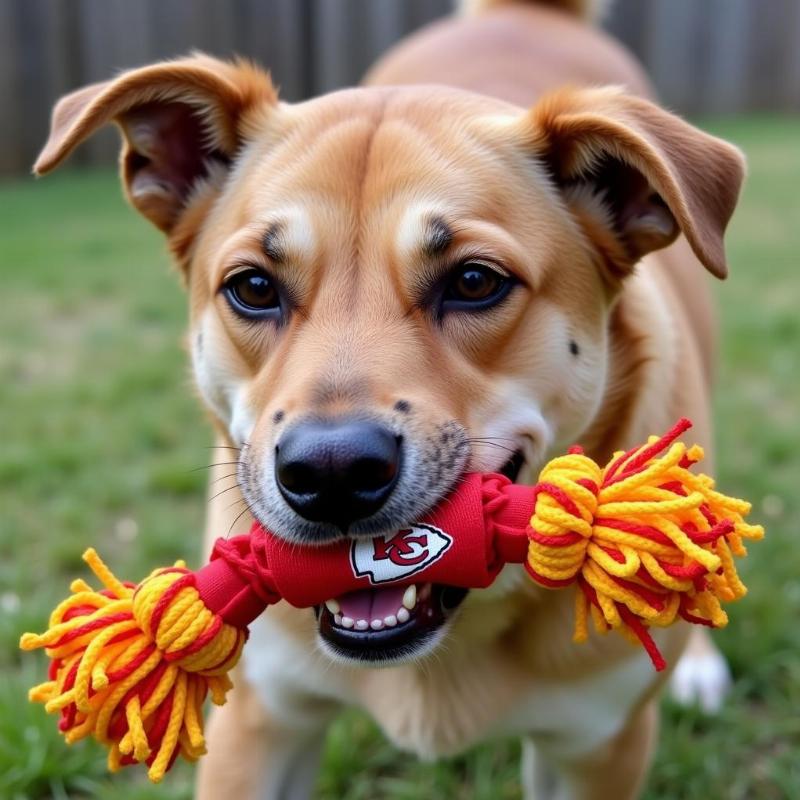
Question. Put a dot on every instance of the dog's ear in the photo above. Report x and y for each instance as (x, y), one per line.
(179, 121)
(636, 175)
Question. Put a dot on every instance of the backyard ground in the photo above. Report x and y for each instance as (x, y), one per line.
(103, 442)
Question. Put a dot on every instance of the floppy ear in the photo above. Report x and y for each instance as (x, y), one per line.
(636, 175)
(179, 120)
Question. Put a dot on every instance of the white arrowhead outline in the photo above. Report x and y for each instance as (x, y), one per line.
(448, 542)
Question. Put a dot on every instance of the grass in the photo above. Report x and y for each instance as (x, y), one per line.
(101, 443)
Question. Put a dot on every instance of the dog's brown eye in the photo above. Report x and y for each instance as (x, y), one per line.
(474, 282)
(254, 289)
(475, 286)
(252, 293)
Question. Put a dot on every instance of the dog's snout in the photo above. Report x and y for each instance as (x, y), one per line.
(337, 472)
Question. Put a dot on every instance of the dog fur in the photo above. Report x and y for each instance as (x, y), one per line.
(605, 207)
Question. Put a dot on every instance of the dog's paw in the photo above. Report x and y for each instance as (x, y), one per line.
(702, 679)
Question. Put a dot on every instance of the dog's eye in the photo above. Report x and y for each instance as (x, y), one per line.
(474, 286)
(252, 293)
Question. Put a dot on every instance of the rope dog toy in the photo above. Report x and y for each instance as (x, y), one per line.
(646, 541)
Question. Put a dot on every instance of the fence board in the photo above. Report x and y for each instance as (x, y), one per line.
(770, 54)
(274, 34)
(626, 20)
(386, 17)
(791, 98)
(112, 35)
(729, 53)
(338, 33)
(671, 50)
(10, 134)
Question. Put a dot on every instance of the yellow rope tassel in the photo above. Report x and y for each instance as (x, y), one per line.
(646, 540)
(133, 665)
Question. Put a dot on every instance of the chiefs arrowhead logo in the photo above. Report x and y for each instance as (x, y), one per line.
(393, 556)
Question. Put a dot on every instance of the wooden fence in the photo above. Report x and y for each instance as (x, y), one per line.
(717, 56)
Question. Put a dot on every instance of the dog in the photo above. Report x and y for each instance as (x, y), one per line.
(469, 263)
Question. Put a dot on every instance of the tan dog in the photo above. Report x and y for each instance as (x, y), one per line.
(391, 285)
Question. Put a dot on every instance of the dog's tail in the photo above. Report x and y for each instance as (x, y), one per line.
(590, 10)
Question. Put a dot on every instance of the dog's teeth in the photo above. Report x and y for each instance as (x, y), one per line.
(376, 624)
(333, 606)
(337, 618)
(390, 621)
(410, 597)
(348, 622)
(403, 615)
(361, 624)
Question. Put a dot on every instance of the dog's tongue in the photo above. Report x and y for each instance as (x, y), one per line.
(372, 603)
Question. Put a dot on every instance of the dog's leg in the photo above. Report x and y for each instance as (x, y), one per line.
(614, 772)
(539, 779)
(701, 675)
(253, 757)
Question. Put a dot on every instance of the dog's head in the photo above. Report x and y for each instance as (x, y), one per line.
(391, 286)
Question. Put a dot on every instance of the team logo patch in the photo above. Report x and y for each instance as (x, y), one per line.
(397, 555)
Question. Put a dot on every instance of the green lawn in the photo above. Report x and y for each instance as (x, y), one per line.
(102, 441)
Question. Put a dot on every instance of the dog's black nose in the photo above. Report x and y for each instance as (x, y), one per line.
(337, 472)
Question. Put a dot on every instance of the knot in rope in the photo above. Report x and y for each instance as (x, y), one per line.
(168, 606)
(565, 505)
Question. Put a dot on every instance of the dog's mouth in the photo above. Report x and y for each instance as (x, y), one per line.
(513, 466)
(394, 623)
(387, 624)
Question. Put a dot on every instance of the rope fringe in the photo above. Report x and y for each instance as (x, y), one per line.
(646, 540)
(132, 665)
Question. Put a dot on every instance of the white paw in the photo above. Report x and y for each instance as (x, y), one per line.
(701, 679)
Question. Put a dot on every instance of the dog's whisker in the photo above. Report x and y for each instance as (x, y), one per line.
(234, 504)
(218, 464)
(223, 477)
(222, 491)
(495, 444)
(239, 516)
